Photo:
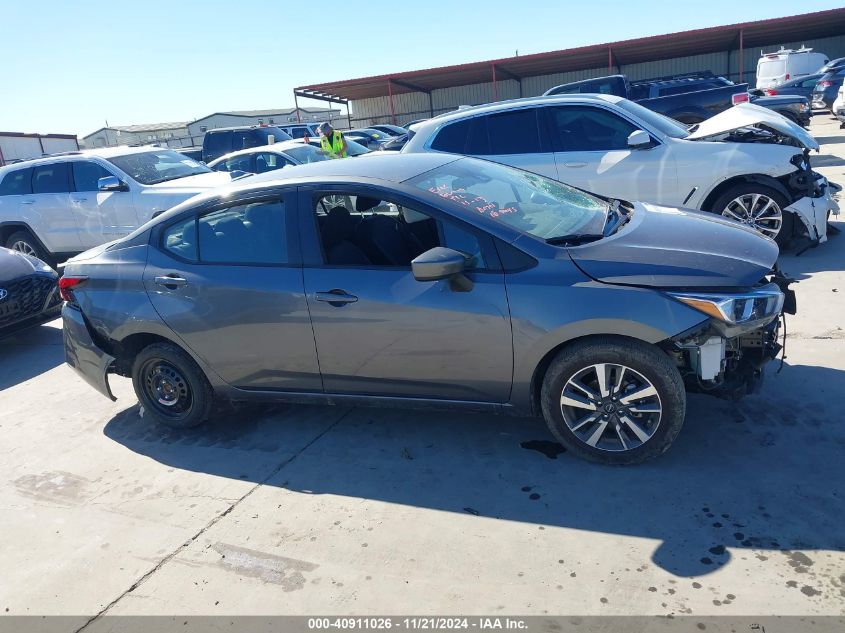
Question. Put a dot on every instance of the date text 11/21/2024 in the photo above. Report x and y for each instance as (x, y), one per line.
(417, 623)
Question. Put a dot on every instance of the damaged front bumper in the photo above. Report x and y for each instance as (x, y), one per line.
(815, 211)
(82, 353)
(815, 199)
(727, 360)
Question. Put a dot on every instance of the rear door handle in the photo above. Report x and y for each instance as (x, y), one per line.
(575, 164)
(335, 297)
(27, 201)
(171, 282)
(79, 199)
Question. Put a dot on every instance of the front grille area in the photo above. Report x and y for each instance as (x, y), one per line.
(27, 297)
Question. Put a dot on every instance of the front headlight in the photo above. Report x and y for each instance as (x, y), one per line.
(736, 309)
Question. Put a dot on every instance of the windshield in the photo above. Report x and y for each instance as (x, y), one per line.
(771, 67)
(150, 168)
(305, 154)
(660, 122)
(544, 208)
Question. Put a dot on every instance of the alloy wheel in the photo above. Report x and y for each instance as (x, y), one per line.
(24, 247)
(611, 407)
(758, 211)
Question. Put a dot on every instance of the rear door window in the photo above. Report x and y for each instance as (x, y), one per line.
(253, 233)
(468, 136)
(17, 183)
(54, 178)
(218, 143)
(514, 132)
(242, 163)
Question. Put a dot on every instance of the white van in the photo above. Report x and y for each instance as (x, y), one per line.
(773, 69)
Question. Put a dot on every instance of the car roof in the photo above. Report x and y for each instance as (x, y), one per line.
(277, 148)
(486, 108)
(240, 127)
(389, 167)
(100, 152)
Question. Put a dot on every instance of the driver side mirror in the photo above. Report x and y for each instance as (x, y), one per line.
(639, 139)
(111, 183)
(442, 263)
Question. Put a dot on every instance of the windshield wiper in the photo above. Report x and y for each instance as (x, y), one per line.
(573, 240)
(692, 128)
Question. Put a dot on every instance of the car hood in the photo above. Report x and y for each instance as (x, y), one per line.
(14, 265)
(664, 247)
(199, 182)
(750, 115)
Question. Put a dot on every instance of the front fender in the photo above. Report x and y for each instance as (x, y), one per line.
(546, 316)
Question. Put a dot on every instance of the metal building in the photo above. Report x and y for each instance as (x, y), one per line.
(16, 146)
(141, 134)
(731, 51)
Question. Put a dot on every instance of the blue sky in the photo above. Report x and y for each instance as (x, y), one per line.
(70, 66)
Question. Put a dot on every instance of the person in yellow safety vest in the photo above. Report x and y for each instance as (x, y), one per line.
(332, 141)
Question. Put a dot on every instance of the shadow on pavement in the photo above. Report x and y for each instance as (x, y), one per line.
(30, 353)
(762, 475)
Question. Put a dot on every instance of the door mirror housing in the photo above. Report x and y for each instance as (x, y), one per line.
(639, 139)
(111, 183)
(438, 263)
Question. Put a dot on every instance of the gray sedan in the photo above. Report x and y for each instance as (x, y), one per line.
(431, 280)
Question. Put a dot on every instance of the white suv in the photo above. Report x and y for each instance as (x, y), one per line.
(58, 206)
(747, 163)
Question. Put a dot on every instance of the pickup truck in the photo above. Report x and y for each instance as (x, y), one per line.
(686, 98)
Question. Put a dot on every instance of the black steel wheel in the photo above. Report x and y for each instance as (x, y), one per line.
(171, 387)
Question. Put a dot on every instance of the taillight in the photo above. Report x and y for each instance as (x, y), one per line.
(66, 285)
(824, 84)
(787, 77)
(739, 97)
(771, 92)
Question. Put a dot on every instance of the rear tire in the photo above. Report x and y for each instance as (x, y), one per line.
(23, 242)
(732, 203)
(171, 387)
(612, 426)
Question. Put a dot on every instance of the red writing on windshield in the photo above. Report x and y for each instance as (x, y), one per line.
(471, 201)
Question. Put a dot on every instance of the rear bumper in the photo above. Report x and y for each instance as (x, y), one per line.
(82, 354)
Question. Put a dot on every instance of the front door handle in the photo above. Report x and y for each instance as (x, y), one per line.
(575, 164)
(171, 283)
(335, 297)
(27, 201)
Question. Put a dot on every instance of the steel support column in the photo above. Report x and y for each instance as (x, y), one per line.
(392, 107)
(741, 61)
(296, 103)
(495, 90)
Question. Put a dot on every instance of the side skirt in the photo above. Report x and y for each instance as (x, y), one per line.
(301, 397)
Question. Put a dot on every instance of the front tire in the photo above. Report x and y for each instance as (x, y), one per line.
(613, 400)
(759, 207)
(171, 387)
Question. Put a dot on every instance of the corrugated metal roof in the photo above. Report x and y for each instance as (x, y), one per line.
(281, 112)
(707, 40)
(147, 127)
